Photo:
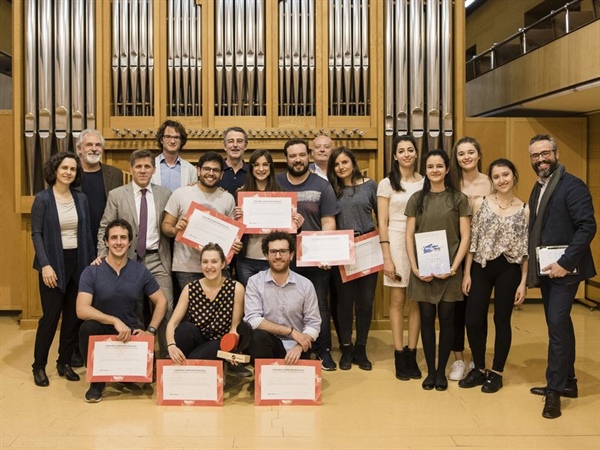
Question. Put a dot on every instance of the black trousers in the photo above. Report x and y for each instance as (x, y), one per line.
(445, 313)
(92, 328)
(193, 345)
(504, 278)
(265, 345)
(55, 303)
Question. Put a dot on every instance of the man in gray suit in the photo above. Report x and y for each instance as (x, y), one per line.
(126, 202)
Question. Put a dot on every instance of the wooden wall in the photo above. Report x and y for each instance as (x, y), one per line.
(593, 144)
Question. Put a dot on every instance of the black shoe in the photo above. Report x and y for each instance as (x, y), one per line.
(429, 382)
(327, 362)
(475, 377)
(64, 370)
(411, 360)
(360, 357)
(76, 359)
(94, 393)
(347, 357)
(40, 378)
(552, 406)
(441, 382)
(401, 364)
(569, 391)
(493, 383)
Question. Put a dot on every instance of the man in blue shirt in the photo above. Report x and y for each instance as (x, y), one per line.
(235, 141)
(108, 296)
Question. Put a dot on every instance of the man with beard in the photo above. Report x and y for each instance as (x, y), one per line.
(318, 205)
(281, 306)
(562, 214)
(206, 192)
(235, 141)
(172, 170)
(321, 150)
(98, 179)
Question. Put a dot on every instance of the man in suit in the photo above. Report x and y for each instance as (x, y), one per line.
(172, 170)
(561, 214)
(125, 203)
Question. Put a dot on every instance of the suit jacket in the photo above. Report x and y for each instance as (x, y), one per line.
(112, 176)
(189, 173)
(121, 205)
(568, 220)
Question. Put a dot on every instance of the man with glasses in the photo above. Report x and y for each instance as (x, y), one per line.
(562, 214)
(206, 192)
(172, 171)
(281, 306)
(235, 141)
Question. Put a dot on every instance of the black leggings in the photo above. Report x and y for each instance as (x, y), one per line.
(445, 312)
(504, 278)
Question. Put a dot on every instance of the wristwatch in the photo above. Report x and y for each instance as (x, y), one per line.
(152, 330)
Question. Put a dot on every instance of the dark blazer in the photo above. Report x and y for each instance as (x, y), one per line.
(120, 204)
(45, 234)
(112, 176)
(569, 220)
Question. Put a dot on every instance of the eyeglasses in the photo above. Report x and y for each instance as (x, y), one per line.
(281, 251)
(214, 170)
(545, 154)
(168, 137)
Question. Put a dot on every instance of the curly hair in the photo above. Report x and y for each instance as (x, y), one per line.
(160, 133)
(278, 236)
(54, 163)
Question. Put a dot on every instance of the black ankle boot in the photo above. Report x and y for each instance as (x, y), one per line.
(64, 370)
(400, 359)
(347, 357)
(360, 357)
(413, 368)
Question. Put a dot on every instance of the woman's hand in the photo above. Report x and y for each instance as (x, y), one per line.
(389, 269)
(176, 354)
(238, 213)
(97, 261)
(520, 294)
(49, 277)
(466, 284)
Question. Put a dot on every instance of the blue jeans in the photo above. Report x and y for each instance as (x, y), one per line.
(320, 280)
(246, 267)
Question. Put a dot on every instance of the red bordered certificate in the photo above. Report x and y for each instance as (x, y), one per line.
(268, 211)
(279, 384)
(205, 225)
(117, 361)
(333, 248)
(369, 257)
(197, 382)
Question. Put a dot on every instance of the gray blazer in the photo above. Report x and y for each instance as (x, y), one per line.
(121, 205)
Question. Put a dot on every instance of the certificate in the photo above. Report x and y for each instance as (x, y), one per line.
(268, 211)
(369, 257)
(279, 384)
(432, 253)
(333, 248)
(195, 383)
(113, 360)
(548, 255)
(205, 225)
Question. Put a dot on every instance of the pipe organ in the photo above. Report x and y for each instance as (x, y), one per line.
(280, 68)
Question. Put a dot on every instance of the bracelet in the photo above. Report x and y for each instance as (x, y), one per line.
(171, 344)
(291, 331)
(384, 242)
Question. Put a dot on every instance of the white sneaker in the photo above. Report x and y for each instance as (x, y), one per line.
(457, 370)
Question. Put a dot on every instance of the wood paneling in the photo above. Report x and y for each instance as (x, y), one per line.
(593, 287)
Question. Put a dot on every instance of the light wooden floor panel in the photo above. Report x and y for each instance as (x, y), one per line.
(360, 410)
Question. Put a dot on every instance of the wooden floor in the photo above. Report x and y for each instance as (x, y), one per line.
(367, 410)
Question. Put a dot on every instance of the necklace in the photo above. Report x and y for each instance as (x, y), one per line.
(500, 204)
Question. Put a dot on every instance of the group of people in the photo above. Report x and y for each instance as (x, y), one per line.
(102, 249)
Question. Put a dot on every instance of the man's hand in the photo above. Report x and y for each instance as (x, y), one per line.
(303, 340)
(237, 247)
(124, 332)
(292, 356)
(181, 224)
(556, 270)
(97, 261)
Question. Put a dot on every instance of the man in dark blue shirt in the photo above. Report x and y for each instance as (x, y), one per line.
(235, 141)
(109, 293)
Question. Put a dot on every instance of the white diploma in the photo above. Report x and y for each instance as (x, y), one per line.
(549, 255)
(118, 361)
(282, 382)
(267, 211)
(333, 248)
(432, 253)
(190, 383)
(369, 257)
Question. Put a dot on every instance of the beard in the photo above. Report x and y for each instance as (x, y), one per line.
(92, 159)
(297, 172)
(545, 173)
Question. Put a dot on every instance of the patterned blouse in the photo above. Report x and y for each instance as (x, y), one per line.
(212, 317)
(493, 235)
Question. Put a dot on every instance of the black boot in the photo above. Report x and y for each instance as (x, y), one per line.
(413, 367)
(360, 357)
(400, 359)
(347, 357)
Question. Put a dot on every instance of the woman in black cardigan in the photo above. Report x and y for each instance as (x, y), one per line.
(62, 240)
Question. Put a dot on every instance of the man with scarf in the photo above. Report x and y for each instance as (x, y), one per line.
(562, 214)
